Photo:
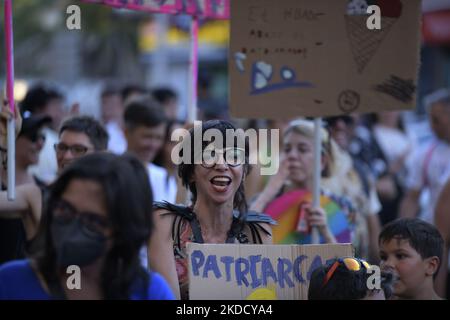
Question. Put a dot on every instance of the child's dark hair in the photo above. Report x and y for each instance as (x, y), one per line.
(421, 235)
(344, 284)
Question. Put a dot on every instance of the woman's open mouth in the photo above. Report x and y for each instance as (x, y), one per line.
(220, 183)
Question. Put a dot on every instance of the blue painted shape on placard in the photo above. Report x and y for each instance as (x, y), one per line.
(287, 81)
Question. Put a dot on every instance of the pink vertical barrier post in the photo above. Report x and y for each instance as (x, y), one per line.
(10, 95)
(193, 71)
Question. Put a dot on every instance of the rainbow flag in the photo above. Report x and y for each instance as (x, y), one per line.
(286, 210)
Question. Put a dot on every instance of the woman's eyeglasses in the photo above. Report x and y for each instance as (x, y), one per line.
(233, 157)
(352, 264)
(64, 213)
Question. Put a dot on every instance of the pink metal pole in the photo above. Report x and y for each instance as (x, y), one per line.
(193, 71)
(9, 54)
(10, 95)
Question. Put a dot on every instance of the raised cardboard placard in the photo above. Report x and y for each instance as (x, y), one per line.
(256, 272)
(292, 58)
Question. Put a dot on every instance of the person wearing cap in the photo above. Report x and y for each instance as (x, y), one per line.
(29, 143)
(44, 100)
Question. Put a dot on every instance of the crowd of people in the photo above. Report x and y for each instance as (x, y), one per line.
(107, 196)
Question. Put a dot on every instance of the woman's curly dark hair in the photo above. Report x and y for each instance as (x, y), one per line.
(186, 170)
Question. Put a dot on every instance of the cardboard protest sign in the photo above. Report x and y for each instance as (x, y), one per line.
(215, 9)
(256, 272)
(292, 58)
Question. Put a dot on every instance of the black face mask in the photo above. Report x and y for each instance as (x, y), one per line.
(75, 244)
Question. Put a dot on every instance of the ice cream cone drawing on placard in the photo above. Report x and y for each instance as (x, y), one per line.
(365, 42)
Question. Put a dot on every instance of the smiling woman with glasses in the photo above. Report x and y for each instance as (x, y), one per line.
(218, 213)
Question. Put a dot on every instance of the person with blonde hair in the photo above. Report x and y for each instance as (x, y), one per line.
(287, 197)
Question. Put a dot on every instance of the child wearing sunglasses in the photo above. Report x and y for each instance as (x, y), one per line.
(411, 250)
(347, 279)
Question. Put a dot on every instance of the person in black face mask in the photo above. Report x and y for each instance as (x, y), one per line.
(97, 217)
